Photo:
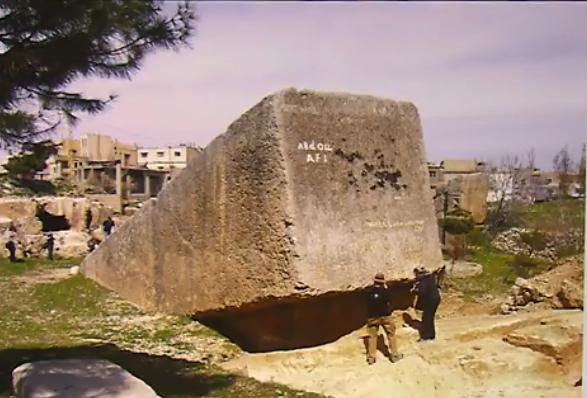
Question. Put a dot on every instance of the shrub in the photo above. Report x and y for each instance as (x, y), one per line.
(479, 238)
(523, 266)
(535, 240)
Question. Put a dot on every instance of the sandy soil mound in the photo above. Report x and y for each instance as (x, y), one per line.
(518, 356)
(562, 287)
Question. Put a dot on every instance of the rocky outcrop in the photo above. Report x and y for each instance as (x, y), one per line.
(560, 288)
(561, 340)
(65, 217)
(510, 242)
(31, 215)
(282, 220)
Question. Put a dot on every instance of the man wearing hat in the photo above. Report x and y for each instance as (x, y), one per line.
(379, 313)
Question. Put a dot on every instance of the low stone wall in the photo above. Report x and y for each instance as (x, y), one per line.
(510, 242)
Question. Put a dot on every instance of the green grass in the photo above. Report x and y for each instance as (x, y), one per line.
(43, 319)
(76, 295)
(30, 264)
(571, 208)
(495, 280)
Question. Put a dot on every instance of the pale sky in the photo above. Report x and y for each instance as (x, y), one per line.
(488, 78)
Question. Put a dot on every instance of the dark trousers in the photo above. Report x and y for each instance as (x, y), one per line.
(11, 247)
(429, 308)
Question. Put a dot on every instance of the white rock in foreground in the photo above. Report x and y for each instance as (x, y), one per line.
(77, 378)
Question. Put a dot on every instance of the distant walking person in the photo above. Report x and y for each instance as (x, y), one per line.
(379, 313)
(49, 245)
(11, 247)
(428, 301)
(107, 227)
(88, 218)
(91, 245)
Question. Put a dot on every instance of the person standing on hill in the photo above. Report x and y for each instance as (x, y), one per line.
(428, 300)
(379, 313)
(49, 245)
(107, 227)
(88, 220)
(11, 247)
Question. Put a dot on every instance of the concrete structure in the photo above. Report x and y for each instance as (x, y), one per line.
(102, 148)
(466, 184)
(167, 158)
(436, 174)
(84, 150)
(452, 168)
(121, 184)
(270, 235)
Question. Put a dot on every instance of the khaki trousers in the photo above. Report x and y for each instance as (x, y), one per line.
(388, 326)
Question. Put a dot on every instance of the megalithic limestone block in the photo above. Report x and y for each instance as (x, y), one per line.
(271, 234)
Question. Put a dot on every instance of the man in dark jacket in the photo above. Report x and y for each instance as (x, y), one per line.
(88, 219)
(49, 245)
(379, 313)
(428, 301)
(11, 247)
(107, 227)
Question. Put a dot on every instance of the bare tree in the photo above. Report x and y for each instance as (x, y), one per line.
(506, 195)
(531, 159)
(563, 165)
(582, 172)
(528, 182)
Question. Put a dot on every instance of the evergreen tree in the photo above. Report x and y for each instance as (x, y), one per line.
(45, 45)
(30, 161)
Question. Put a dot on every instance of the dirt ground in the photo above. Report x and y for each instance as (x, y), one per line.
(478, 353)
(474, 356)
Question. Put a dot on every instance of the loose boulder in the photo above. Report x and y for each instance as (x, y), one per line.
(272, 233)
(77, 378)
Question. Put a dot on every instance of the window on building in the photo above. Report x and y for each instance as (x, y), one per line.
(160, 167)
(177, 154)
(160, 154)
(144, 154)
(432, 174)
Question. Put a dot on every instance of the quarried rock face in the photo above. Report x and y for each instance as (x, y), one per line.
(282, 220)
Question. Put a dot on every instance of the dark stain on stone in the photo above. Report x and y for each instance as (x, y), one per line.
(351, 157)
(369, 167)
(352, 179)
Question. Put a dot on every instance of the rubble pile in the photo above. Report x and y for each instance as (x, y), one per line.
(562, 287)
(510, 242)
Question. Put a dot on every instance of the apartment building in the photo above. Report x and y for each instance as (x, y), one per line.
(167, 158)
(87, 148)
(102, 148)
(453, 168)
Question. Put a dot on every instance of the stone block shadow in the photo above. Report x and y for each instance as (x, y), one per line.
(167, 376)
(412, 322)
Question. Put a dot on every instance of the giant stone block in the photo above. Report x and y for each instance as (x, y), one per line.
(271, 234)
